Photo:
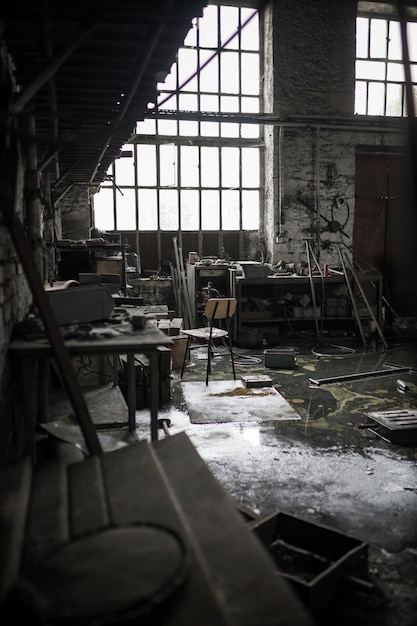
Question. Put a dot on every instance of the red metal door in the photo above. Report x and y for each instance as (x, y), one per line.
(385, 227)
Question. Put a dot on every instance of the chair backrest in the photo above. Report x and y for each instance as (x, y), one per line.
(220, 308)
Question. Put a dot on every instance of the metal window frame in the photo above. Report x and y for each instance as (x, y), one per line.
(389, 19)
(199, 139)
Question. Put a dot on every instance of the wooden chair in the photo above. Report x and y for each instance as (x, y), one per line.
(215, 310)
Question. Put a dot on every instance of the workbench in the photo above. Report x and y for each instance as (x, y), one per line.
(34, 356)
(271, 294)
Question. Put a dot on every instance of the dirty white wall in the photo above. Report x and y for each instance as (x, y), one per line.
(310, 146)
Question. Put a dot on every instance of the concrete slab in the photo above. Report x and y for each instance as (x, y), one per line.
(231, 401)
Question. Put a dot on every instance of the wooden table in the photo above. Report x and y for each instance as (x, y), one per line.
(34, 357)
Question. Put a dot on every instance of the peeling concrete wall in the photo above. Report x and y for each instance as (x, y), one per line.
(76, 214)
(314, 57)
(324, 214)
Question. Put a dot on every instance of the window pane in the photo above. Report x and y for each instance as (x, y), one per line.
(362, 37)
(376, 99)
(250, 210)
(229, 130)
(188, 102)
(412, 41)
(394, 99)
(249, 131)
(210, 210)
(191, 37)
(146, 165)
(170, 81)
(126, 211)
(125, 167)
(209, 103)
(360, 98)
(208, 34)
(378, 38)
(209, 129)
(187, 66)
(229, 104)
(249, 105)
(229, 73)
(148, 209)
(230, 210)
(209, 167)
(395, 72)
(167, 100)
(103, 209)
(250, 167)
(394, 45)
(209, 74)
(167, 127)
(189, 166)
(147, 127)
(190, 212)
(374, 70)
(168, 165)
(250, 32)
(228, 19)
(230, 167)
(168, 209)
(250, 74)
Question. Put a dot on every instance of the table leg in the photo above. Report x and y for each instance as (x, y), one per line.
(131, 393)
(154, 388)
(30, 380)
(115, 363)
(44, 381)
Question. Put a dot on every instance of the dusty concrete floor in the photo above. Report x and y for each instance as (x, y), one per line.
(324, 468)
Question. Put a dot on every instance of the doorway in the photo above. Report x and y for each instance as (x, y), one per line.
(385, 227)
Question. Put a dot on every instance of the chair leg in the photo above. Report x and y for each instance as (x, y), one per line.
(229, 339)
(209, 351)
(185, 355)
(208, 368)
(232, 359)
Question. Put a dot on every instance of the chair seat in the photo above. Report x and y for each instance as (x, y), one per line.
(215, 310)
(204, 333)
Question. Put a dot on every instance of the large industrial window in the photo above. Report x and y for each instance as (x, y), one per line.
(380, 80)
(194, 163)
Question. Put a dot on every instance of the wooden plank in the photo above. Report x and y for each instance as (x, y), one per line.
(87, 497)
(138, 493)
(15, 483)
(244, 571)
(48, 518)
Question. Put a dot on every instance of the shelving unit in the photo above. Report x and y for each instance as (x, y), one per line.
(283, 299)
(85, 256)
